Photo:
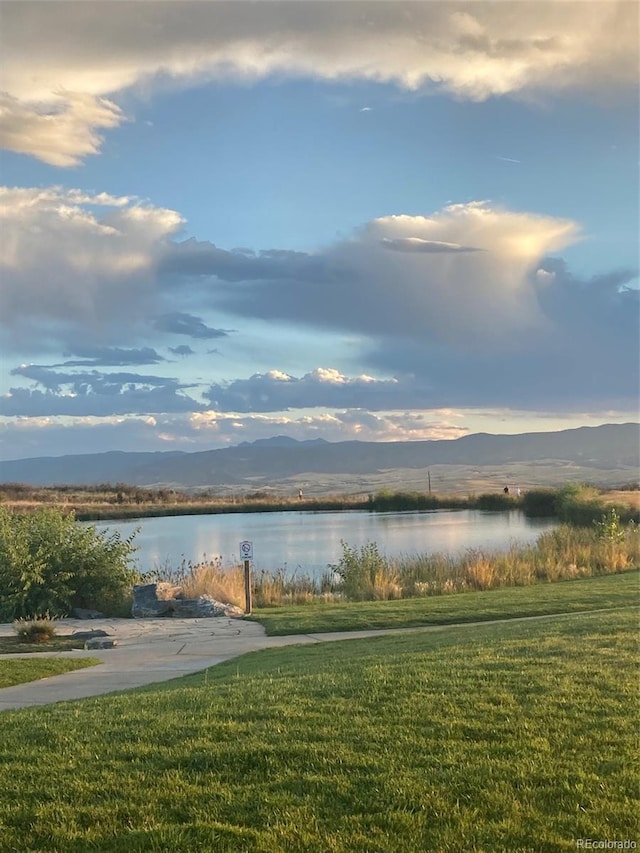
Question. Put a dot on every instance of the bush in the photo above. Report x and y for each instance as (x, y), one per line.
(49, 563)
(495, 502)
(40, 630)
(365, 574)
(609, 528)
(540, 503)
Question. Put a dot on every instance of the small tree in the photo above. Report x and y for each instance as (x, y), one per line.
(361, 570)
(49, 563)
(610, 528)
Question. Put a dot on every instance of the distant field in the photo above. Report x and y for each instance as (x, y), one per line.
(464, 479)
(455, 480)
(620, 496)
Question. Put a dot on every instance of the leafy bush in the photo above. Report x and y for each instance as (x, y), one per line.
(609, 528)
(365, 574)
(40, 630)
(388, 501)
(49, 563)
(495, 502)
(540, 503)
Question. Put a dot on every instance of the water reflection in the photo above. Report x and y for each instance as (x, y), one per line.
(308, 541)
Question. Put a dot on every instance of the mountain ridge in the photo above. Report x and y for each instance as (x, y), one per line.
(612, 447)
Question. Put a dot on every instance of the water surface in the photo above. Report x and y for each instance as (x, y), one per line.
(306, 542)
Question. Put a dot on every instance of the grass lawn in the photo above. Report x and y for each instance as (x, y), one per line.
(14, 646)
(607, 591)
(20, 670)
(507, 738)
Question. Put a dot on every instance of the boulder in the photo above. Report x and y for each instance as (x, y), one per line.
(204, 607)
(101, 643)
(210, 607)
(88, 635)
(85, 613)
(147, 602)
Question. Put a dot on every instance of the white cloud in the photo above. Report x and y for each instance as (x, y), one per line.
(502, 326)
(323, 387)
(344, 425)
(76, 265)
(24, 437)
(461, 298)
(60, 132)
(417, 244)
(64, 62)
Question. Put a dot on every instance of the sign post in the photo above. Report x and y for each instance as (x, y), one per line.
(246, 555)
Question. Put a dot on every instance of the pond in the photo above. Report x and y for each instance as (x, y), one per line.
(306, 542)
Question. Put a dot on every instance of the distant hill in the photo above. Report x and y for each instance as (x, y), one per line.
(610, 448)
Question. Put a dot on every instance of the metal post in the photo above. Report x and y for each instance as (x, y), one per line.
(247, 586)
(429, 476)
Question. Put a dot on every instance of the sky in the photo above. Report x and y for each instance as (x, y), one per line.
(387, 221)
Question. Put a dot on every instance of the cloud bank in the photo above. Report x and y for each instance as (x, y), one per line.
(66, 65)
(484, 312)
(77, 266)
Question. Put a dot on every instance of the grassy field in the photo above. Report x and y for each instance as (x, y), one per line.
(19, 670)
(609, 591)
(13, 646)
(512, 738)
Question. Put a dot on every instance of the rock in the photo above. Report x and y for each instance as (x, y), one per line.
(84, 613)
(100, 643)
(145, 602)
(210, 607)
(186, 608)
(204, 607)
(88, 635)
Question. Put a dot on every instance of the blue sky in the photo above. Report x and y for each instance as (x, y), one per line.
(389, 221)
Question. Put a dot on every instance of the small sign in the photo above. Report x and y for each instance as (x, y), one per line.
(246, 550)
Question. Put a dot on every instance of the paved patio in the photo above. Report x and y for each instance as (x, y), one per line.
(149, 651)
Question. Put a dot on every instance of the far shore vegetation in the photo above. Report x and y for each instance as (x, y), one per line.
(575, 503)
(51, 564)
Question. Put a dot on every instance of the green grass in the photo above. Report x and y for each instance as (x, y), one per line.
(608, 591)
(506, 738)
(20, 670)
(13, 645)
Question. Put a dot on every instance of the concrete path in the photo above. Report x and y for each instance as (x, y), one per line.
(149, 651)
(153, 650)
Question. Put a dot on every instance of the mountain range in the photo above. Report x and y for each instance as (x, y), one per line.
(608, 453)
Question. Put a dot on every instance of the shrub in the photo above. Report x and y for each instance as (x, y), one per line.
(609, 528)
(49, 563)
(39, 630)
(540, 503)
(365, 574)
(495, 502)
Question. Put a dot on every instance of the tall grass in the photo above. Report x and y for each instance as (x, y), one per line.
(226, 583)
(364, 574)
(561, 554)
(575, 503)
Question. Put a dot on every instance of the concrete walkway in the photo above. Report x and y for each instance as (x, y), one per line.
(149, 651)
(153, 650)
